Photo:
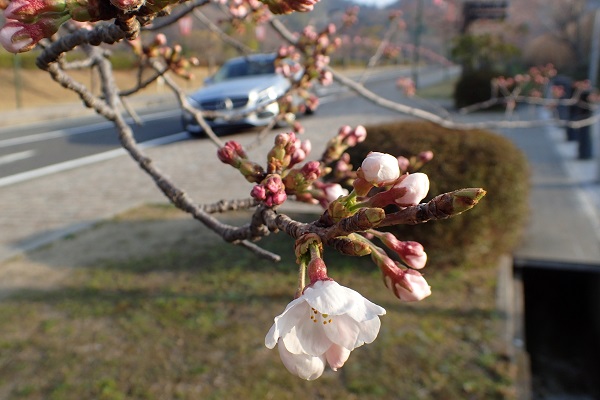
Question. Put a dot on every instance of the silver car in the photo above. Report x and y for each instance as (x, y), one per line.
(241, 94)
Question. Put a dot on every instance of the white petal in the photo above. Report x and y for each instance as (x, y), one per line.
(307, 337)
(368, 331)
(302, 365)
(337, 356)
(328, 297)
(361, 308)
(295, 311)
(343, 331)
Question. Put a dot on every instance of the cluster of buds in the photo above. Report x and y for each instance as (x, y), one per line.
(415, 163)
(242, 11)
(28, 22)
(287, 152)
(350, 16)
(536, 84)
(304, 181)
(281, 177)
(233, 154)
(346, 137)
(270, 191)
(307, 345)
(304, 63)
(172, 56)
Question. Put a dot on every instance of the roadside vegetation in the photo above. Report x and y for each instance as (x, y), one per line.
(462, 158)
(184, 317)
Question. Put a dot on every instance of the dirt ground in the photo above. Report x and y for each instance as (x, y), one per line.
(36, 88)
(138, 231)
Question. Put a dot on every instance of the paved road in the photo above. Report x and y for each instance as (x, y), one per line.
(38, 149)
(43, 207)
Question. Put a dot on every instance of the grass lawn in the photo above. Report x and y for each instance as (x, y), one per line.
(173, 313)
(443, 90)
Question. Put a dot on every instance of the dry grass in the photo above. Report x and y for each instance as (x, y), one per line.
(38, 88)
(154, 307)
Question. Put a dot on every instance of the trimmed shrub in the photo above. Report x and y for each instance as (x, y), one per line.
(462, 158)
(473, 87)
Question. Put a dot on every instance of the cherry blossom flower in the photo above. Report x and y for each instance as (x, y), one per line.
(327, 322)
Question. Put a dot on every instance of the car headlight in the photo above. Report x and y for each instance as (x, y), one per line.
(266, 96)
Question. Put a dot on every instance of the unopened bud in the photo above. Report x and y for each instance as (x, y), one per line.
(348, 246)
(380, 169)
(29, 11)
(317, 270)
(465, 199)
(19, 37)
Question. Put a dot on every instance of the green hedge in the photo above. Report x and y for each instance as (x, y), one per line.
(473, 87)
(462, 158)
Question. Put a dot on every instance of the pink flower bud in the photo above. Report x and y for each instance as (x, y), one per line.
(19, 37)
(273, 183)
(403, 163)
(276, 199)
(380, 169)
(412, 253)
(311, 171)
(231, 153)
(317, 270)
(29, 10)
(259, 192)
(425, 156)
(333, 191)
(344, 131)
(407, 285)
(415, 188)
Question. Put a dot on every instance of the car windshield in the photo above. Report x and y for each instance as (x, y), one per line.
(239, 68)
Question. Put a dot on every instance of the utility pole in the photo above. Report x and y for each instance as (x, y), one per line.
(18, 82)
(417, 43)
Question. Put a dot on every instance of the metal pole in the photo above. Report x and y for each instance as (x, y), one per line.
(417, 43)
(595, 50)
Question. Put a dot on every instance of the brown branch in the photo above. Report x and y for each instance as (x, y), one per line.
(102, 33)
(239, 46)
(426, 115)
(185, 104)
(229, 205)
(171, 19)
(443, 206)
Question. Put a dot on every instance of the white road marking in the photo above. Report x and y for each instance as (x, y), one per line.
(107, 155)
(9, 158)
(38, 137)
